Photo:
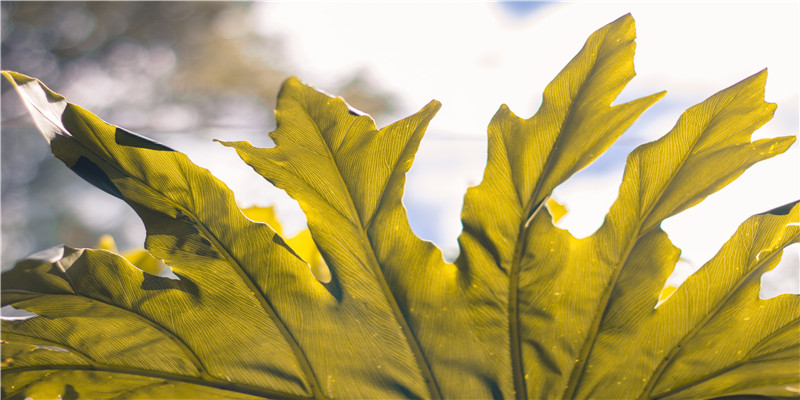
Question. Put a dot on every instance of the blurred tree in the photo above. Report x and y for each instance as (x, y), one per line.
(153, 67)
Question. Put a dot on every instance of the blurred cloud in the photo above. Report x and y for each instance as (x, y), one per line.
(523, 9)
(151, 67)
(390, 59)
(474, 57)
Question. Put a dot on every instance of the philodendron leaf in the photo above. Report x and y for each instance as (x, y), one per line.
(246, 311)
(302, 243)
(139, 257)
(526, 311)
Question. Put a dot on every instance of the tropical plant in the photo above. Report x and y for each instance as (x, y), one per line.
(526, 311)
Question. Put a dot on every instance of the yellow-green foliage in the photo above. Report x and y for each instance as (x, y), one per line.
(526, 311)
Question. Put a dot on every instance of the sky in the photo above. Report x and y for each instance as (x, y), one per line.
(475, 56)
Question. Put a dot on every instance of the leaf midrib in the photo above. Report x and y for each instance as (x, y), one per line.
(205, 378)
(411, 338)
(300, 354)
(11, 394)
(128, 393)
(743, 361)
(668, 360)
(637, 233)
(265, 303)
(46, 342)
(515, 342)
(185, 349)
(217, 384)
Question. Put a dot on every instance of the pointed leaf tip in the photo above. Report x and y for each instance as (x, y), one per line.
(44, 105)
(628, 18)
(19, 80)
(625, 20)
(782, 210)
(15, 77)
(392, 301)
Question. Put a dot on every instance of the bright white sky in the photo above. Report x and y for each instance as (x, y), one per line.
(475, 56)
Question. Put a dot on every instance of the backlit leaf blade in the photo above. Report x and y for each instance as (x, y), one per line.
(713, 336)
(709, 146)
(66, 384)
(348, 177)
(722, 301)
(622, 267)
(339, 167)
(529, 158)
(207, 245)
(249, 281)
(302, 243)
(712, 137)
(527, 310)
(77, 289)
(574, 125)
(140, 258)
(575, 114)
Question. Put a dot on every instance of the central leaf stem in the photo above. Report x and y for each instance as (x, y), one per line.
(302, 360)
(666, 361)
(515, 342)
(413, 342)
(580, 366)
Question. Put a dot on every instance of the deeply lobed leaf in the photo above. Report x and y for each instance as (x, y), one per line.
(194, 225)
(527, 310)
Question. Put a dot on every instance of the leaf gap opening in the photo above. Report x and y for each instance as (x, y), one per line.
(785, 277)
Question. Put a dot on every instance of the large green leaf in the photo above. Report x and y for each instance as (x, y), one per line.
(526, 311)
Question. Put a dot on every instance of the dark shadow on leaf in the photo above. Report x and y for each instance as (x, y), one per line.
(407, 393)
(496, 392)
(354, 112)
(277, 239)
(13, 396)
(332, 286)
(57, 271)
(187, 238)
(130, 139)
(70, 393)
(782, 210)
(184, 284)
(93, 174)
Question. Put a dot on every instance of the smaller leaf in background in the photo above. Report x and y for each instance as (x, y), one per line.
(265, 215)
(302, 243)
(139, 257)
(665, 293)
(557, 210)
(217, 321)
(107, 242)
